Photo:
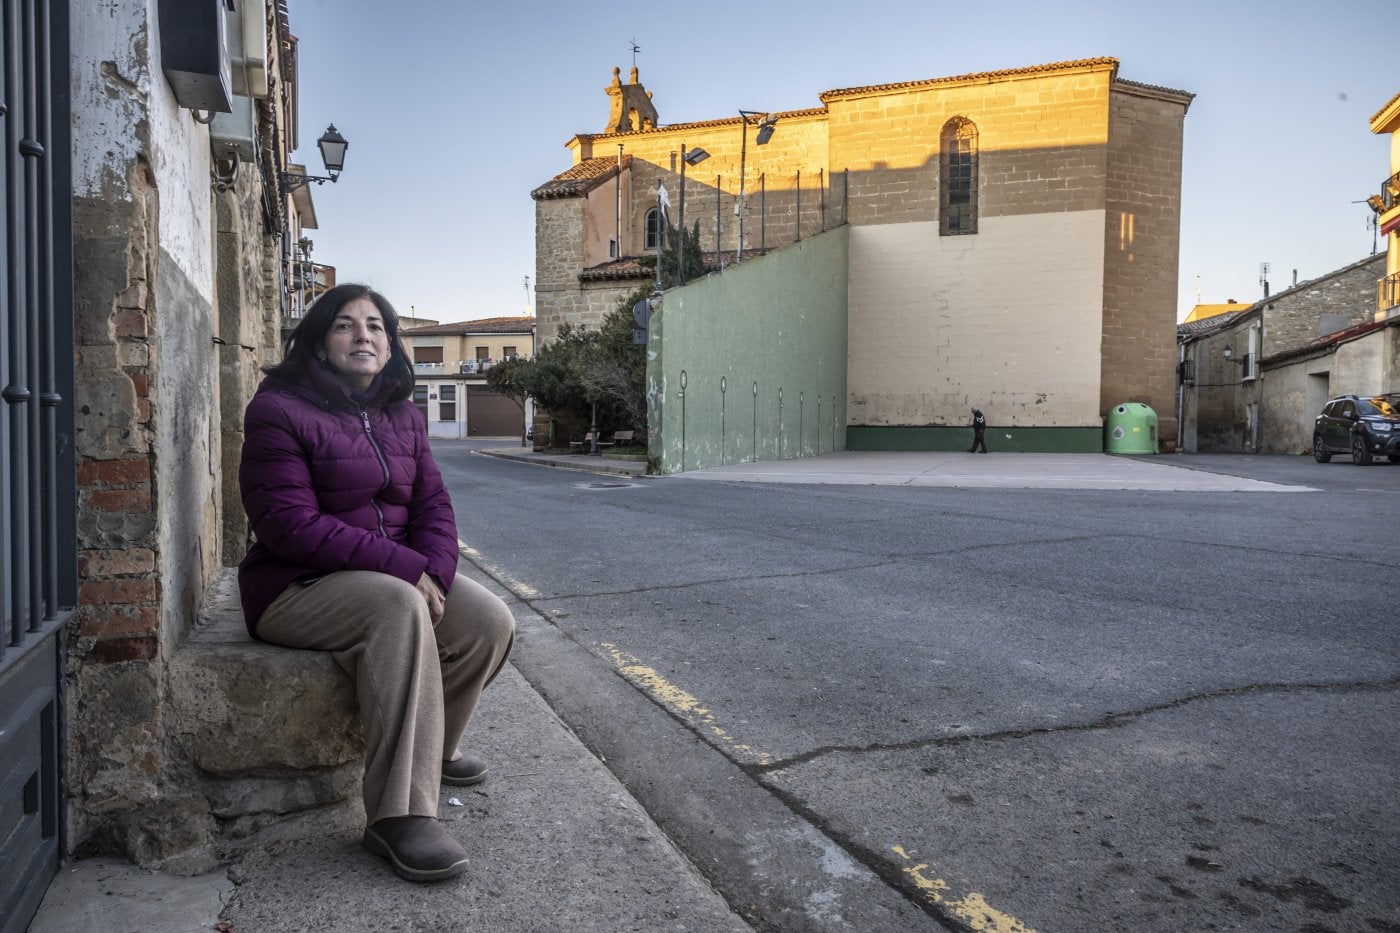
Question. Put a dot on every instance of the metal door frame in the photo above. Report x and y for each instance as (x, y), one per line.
(38, 489)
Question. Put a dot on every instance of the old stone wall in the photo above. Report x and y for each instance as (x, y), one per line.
(1040, 144)
(146, 426)
(1217, 402)
(559, 258)
(247, 330)
(1301, 314)
(1141, 249)
(770, 174)
(560, 297)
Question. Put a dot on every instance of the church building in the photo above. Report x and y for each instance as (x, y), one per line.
(1011, 243)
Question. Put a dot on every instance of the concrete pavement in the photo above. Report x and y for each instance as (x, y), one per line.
(1163, 473)
(613, 466)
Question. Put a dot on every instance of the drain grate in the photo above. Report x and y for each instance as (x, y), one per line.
(606, 485)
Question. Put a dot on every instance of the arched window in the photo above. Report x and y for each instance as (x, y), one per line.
(653, 225)
(957, 178)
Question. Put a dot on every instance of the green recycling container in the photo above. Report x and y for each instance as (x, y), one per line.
(1131, 429)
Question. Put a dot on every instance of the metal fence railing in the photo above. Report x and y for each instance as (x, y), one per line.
(302, 282)
(722, 228)
(1388, 292)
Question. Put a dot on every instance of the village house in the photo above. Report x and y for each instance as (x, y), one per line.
(450, 363)
(1254, 380)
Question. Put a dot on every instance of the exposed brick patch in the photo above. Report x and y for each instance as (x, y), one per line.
(120, 500)
(130, 324)
(114, 472)
(115, 563)
(110, 621)
(113, 650)
(108, 592)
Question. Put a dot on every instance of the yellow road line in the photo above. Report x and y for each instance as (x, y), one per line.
(523, 590)
(972, 907)
(684, 703)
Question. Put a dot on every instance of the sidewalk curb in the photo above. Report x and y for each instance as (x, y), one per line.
(583, 463)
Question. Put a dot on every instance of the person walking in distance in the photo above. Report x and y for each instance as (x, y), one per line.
(979, 431)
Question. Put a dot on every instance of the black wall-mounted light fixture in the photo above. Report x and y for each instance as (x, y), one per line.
(332, 146)
(1229, 353)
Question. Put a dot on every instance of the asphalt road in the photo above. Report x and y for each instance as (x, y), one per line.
(902, 708)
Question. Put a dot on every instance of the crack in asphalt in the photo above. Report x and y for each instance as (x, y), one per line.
(885, 561)
(1110, 721)
(713, 580)
(1020, 521)
(892, 559)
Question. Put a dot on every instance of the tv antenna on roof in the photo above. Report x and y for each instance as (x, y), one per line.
(1376, 204)
(635, 49)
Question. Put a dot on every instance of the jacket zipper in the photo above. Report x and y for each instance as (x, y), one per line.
(383, 465)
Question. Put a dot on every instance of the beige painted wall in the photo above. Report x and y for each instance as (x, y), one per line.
(600, 220)
(457, 349)
(1359, 365)
(1007, 320)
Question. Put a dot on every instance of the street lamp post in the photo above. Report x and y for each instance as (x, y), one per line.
(688, 157)
(765, 133)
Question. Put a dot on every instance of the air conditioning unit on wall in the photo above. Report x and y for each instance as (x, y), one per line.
(194, 53)
(234, 135)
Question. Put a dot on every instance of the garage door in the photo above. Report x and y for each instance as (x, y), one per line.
(492, 415)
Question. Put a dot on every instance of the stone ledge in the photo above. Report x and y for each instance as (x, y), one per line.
(267, 737)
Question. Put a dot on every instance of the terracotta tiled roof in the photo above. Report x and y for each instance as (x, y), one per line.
(1388, 104)
(1157, 88)
(699, 124)
(627, 267)
(580, 179)
(486, 325)
(978, 76)
(630, 267)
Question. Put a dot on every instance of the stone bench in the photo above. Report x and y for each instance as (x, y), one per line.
(269, 736)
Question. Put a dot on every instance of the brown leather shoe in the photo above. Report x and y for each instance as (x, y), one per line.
(468, 769)
(417, 847)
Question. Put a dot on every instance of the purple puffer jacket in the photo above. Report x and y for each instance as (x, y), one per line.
(330, 486)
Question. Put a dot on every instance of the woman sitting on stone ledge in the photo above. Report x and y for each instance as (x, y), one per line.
(356, 554)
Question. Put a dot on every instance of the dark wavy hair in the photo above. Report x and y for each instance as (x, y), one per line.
(299, 350)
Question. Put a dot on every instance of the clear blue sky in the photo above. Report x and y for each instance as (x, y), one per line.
(454, 112)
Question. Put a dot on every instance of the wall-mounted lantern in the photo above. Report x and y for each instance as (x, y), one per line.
(332, 146)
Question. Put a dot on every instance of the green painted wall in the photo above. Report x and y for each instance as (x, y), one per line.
(999, 439)
(750, 364)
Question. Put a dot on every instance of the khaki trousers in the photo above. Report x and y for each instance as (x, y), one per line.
(417, 685)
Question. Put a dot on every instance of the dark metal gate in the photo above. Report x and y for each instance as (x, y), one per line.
(38, 547)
